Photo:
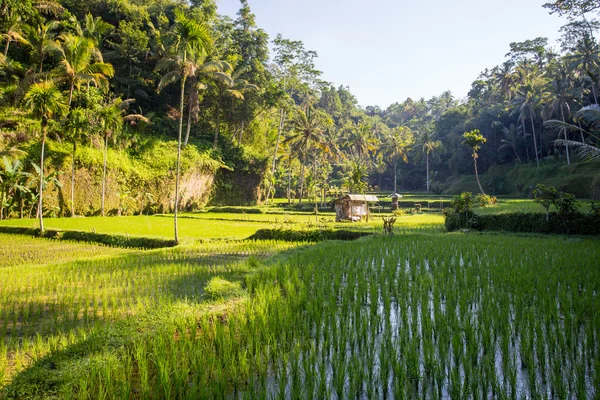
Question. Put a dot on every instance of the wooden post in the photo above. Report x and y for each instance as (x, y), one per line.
(367, 204)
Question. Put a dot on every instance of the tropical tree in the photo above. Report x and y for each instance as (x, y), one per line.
(12, 182)
(75, 124)
(188, 36)
(231, 84)
(511, 137)
(39, 37)
(46, 102)
(111, 117)
(427, 145)
(77, 65)
(474, 139)
(360, 140)
(589, 115)
(400, 141)
(307, 129)
(529, 96)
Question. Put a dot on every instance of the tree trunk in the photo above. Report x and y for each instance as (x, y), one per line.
(537, 159)
(274, 164)
(40, 200)
(178, 169)
(70, 94)
(562, 112)
(427, 164)
(525, 137)
(594, 93)
(73, 180)
(189, 125)
(104, 173)
(396, 174)
(6, 47)
(302, 177)
(477, 173)
(217, 122)
(289, 189)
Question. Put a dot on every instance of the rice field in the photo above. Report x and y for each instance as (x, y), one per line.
(421, 314)
(411, 316)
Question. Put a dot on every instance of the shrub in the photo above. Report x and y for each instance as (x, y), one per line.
(236, 210)
(484, 200)
(576, 223)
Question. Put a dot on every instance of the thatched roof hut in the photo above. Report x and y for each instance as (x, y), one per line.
(353, 207)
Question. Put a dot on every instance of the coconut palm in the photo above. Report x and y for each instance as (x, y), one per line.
(400, 141)
(188, 36)
(586, 60)
(428, 145)
(530, 93)
(307, 129)
(12, 183)
(561, 96)
(75, 124)
(511, 137)
(14, 29)
(231, 84)
(39, 38)
(360, 140)
(474, 140)
(77, 65)
(111, 117)
(590, 116)
(46, 102)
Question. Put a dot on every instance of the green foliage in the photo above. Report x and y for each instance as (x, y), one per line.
(91, 237)
(484, 200)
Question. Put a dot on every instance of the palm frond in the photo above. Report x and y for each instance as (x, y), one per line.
(583, 149)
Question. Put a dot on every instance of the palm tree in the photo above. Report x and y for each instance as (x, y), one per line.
(474, 140)
(234, 85)
(428, 145)
(511, 136)
(361, 140)
(189, 36)
(562, 95)
(112, 116)
(590, 115)
(307, 128)
(586, 60)
(75, 123)
(400, 141)
(94, 29)
(76, 64)
(45, 102)
(13, 31)
(529, 96)
(12, 182)
(39, 38)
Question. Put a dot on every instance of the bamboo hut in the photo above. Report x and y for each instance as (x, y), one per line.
(353, 207)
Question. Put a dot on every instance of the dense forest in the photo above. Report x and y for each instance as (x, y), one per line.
(115, 99)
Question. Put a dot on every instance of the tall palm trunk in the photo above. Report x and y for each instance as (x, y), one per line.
(71, 88)
(218, 120)
(427, 166)
(189, 125)
(178, 169)
(274, 164)
(40, 200)
(6, 47)
(302, 176)
(289, 188)
(562, 113)
(73, 180)
(396, 173)
(104, 173)
(477, 173)
(525, 137)
(537, 159)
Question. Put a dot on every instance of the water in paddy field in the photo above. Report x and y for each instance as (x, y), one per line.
(397, 321)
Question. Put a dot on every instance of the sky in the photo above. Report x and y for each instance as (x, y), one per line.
(388, 50)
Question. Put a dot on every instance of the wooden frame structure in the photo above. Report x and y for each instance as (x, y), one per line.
(353, 207)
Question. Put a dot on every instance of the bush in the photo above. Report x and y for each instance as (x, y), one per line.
(89, 237)
(575, 223)
(484, 200)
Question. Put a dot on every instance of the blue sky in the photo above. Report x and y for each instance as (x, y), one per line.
(388, 50)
